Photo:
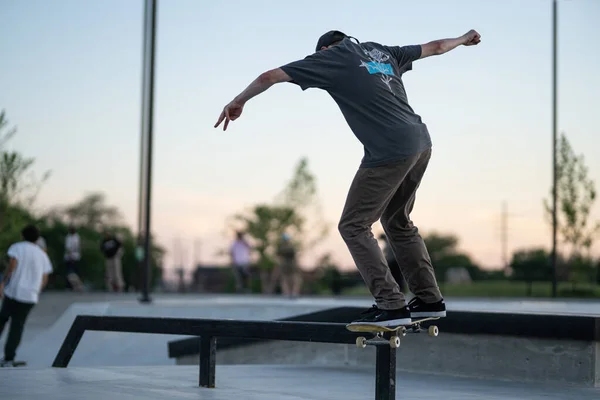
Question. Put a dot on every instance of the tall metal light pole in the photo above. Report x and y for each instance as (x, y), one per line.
(554, 155)
(146, 143)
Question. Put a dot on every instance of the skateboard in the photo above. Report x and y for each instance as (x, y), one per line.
(75, 282)
(13, 364)
(394, 341)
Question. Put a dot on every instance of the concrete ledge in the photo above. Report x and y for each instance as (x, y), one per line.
(483, 356)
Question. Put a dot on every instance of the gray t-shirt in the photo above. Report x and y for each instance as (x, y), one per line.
(365, 80)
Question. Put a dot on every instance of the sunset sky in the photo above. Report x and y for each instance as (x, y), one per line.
(71, 82)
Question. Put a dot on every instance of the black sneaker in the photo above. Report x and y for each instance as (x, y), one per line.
(370, 312)
(420, 309)
(388, 318)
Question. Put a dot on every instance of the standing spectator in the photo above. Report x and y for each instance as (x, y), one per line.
(240, 253)
(290, 274)
(112, 249)
(72, 258)
(25, 277)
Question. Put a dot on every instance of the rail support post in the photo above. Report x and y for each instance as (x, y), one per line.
(385, 373)
(208, 355)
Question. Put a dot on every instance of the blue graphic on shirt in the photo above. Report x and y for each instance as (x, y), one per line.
(375, 67)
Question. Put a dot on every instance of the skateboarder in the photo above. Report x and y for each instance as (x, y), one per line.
(365, 80)
(25, 277)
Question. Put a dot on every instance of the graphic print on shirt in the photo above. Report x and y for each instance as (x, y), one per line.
(377, 65)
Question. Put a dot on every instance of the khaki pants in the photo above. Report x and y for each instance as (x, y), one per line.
(291, 282)
(388, 193)
(114, 274)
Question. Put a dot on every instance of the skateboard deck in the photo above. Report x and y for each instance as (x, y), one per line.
(394, 341)
(13, 364)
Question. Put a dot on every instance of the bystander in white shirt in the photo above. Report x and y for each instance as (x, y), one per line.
(32, 264)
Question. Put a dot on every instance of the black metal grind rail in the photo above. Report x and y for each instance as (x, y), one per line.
(209, 330)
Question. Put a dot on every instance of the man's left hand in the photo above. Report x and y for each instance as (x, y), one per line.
(231, 112)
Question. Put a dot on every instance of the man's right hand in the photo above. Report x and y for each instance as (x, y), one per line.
(231, 112)
(442, 46)
(471, 38)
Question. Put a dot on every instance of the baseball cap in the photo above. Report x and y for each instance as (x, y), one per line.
(330, 37)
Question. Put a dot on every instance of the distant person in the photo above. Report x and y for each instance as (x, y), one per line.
(393, 264)
(289, 273)
(25, 277)
(365, 80)
(72, 259)
(112, 249)
(240, 254)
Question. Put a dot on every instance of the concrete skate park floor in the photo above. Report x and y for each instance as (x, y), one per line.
(136, 366)
(276, 382)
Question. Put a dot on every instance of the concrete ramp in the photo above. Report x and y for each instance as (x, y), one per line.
(482, 356)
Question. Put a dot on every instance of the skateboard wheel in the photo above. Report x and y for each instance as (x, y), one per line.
(433, 330)
(394, 342)
(361, 342)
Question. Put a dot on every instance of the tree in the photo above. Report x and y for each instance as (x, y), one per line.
(18, 188)
(444, 254)
(92, 212)
(290, 212)
(576, 193)
(5, 136)
(18, 184)
(330, 277)
(531, 265)
(300, 195)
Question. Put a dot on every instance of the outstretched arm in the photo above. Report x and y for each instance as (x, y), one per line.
(442, 46)
(233, 110)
